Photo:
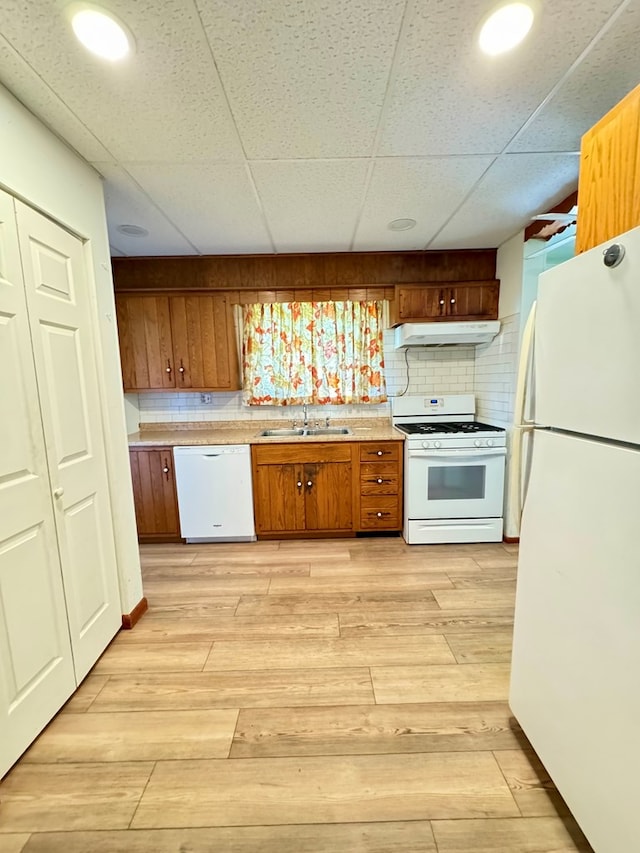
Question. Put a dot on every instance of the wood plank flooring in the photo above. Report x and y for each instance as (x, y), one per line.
(297, 697)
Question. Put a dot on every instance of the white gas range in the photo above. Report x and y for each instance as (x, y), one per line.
(453, 471)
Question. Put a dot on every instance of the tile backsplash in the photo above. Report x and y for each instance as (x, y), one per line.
(422, 370)
(496, 364)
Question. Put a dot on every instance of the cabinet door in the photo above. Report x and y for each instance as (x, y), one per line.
(36, 666)
(154, 493)
(204, 343)
(609, 186)
(446, 302)
(278, 495)
(469, 302)
(146, 346)
(61, 322)
(420, 303)
(328, 496)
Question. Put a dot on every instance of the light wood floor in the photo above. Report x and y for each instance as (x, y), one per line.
(297, 697)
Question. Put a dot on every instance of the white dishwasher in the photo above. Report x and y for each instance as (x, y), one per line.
(215, 498)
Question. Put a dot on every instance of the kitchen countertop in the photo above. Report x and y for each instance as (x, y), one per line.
(248, 432)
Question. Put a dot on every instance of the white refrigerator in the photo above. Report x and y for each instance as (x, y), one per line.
(575, 684)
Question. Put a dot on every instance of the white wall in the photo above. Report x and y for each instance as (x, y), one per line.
(37, 167)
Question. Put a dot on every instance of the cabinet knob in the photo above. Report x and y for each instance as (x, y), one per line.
(309, 483)
(165, 470)
(453, 301)
(379, 514)
(58, 493)
(181, 369)
(380, 480)
(442, 302)
(380, 453)
(299, 483)
(168, 367)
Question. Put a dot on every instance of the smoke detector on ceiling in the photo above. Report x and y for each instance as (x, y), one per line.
(401, 224)
(132, 230)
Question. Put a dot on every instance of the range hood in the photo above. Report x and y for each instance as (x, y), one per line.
(441, 334)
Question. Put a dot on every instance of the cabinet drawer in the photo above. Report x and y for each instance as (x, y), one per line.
(378, 483)
(380, 512)
(380, 451)
(282, 454)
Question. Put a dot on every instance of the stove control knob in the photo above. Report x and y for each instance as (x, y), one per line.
(437, 444)
(489, 442)
(477, 442)
(426, 444)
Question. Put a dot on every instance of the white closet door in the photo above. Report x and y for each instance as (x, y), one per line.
(36, 666)
(57, 289)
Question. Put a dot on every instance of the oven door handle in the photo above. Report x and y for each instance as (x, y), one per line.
(458, 454)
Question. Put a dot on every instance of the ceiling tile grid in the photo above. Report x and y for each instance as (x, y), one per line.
(308, 125)
(514, 189)
(311, 203)
(305, 79)
(448, 98)
(604, 77)
(127, 204)
(32, 90)
(164, 103)
(214, 205)
(428, 190)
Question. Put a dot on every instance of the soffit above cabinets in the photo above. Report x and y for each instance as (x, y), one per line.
(299, 126)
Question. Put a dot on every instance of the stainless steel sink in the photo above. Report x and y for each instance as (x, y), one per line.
(300, 433)
(328, 431)
(283, 433)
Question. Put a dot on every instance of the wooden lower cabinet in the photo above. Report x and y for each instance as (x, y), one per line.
(154, 494)
(303, 488)
(326, 489)
(380, 493)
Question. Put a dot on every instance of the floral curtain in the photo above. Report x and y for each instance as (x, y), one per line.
(313, 352)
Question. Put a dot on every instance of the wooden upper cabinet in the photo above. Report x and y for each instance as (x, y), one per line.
(470, 300)
(609, 183)
(204, 342)
(173, 342)
(146, 346)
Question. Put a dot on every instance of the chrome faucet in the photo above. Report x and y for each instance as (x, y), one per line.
(305, 421)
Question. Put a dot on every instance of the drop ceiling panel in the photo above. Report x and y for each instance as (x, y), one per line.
(164, 103)
(425, 189)
(29, 88)
(448, 98)
(311, 205)
(607, 74)
(304, 79)
(515, 188)
(213, 205)
(127, 204)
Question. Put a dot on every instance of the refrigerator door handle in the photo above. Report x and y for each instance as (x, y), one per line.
(521, 427)
(524, 369)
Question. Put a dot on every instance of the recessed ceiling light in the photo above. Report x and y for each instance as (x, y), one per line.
(100, 31)
(401, 224)
(132, 230)
(505, 28)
